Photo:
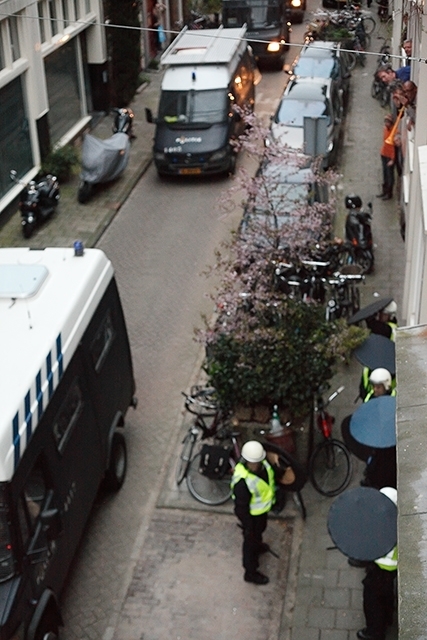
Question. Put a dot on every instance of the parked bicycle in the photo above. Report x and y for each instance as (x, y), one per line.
(345, 295)
(217, 450)
(202, 403)
(381, 90)
(330, 466)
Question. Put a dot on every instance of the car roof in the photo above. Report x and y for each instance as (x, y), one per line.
(308, 89)
(320, 49)
(288, 172)
(308, 67)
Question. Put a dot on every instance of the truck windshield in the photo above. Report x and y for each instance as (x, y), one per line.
(257, 14)
(193, 107)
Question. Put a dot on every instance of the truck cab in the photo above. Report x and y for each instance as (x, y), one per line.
(268, 26)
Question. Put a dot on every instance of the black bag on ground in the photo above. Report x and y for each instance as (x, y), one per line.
(214, 461)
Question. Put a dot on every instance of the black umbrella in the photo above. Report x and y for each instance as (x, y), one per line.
(362, 523)
(377, 351)
(370, 310)
(373, 423)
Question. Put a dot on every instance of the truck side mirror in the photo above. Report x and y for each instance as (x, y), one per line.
(52, 523)
(149, 115)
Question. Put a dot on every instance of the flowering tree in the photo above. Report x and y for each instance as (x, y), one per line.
(265, 347)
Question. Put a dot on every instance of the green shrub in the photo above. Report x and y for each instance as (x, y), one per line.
(61, 163)
(276, 354)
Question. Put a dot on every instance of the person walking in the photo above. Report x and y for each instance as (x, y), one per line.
(379, 588)
(388, 154)
(253, 484)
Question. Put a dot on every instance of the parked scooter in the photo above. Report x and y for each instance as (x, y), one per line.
(123, 121)
(38, 202)
(105, 160)
(358, 233)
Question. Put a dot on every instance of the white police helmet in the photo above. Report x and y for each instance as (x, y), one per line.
(391, 308)
(381, 376)
(253, 451)
(391, 493)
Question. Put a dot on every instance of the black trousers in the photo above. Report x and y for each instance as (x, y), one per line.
(378, 600)
(252, 540)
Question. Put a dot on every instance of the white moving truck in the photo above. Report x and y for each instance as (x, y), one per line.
(66, 382)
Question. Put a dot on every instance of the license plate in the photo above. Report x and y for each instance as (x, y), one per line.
(190, 171)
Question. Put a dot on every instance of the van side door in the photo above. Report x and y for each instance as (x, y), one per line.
(38, 535)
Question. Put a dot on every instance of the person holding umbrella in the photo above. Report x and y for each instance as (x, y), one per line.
(373, 426)
(381, 383)
(384, 323)
(378, 589)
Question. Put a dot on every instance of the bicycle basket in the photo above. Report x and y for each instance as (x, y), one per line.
(214, 461)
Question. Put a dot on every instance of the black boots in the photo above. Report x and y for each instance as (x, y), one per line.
(387, 193)
(256, 577)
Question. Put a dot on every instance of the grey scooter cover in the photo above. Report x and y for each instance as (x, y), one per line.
(104, 160)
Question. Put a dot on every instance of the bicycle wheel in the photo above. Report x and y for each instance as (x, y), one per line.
(365, 259)
(207, 490)
(351, 60)
(355, 299)
(330, 468)
(185, 457)
(376, 90)
(345, 257)
(369, 25)
(202, 401)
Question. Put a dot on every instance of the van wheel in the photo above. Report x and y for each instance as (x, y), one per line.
(232, 166)
(47, 631)
(116, 472)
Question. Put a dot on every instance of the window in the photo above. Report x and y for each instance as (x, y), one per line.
(67, 416)
(53, 17)
(102, 342)
(15, 145)
(40, 5)
(87, 6)
(31, 501)
(7, 563)
(2, 61)
(76, 9)
(63, 89)
(14, 39)
(65, 13)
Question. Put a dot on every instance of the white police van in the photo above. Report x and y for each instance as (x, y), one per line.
(66, 382)
(208, 73)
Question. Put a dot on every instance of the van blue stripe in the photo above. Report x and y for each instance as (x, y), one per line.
(28, 416)
(39, 395)
(49, 373)
(59, 356)
(39, 399)
(16, 439)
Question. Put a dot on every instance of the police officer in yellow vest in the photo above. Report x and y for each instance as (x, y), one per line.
(378, 590)
(385, 322)
(253, 486)
(381, 383)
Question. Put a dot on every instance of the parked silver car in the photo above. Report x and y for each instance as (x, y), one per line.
(313, 98)
(324, 60)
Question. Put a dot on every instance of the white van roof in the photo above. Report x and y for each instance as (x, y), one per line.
(205, 46)
(47, 299)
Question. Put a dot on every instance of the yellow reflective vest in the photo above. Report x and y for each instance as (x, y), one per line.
(262, 493)
(388, 562)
